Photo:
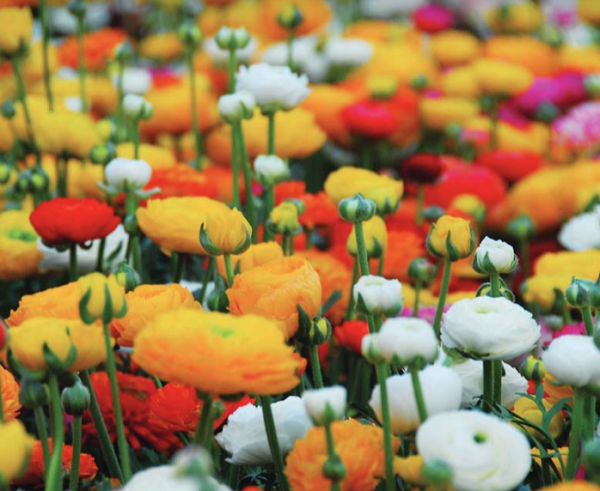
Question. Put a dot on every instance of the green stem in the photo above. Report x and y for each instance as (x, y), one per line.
(232, 70)
(418, 390)
(315, 363)
(74, 476)
(197, 139)
(420, 204)
(21, 91)
(382, 373)
(206, 279)
(350, 309)
(308, 233)
(495, 285)
(135, 128)
(205, 421)
(81, 66)
(228, 269)
(111, 370)
(271, 147)
(121, 126)
(235, 168)
(108, 451)
(73, 268)
(333, 457)
(442, 300)
(265, 402)
(586, 313)
(45, 44)
(361, 249)
(418, 287)
(589, 417)
(366, 160)
(54, 481)
(488, 385)
(250, 210)
(269, 205)
(575, 438)
(179, 259)
(61, 175)
(40, 424)
(497, 373)
(381, 263)
(100, 259)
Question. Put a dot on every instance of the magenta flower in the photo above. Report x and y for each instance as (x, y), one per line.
(433, 18)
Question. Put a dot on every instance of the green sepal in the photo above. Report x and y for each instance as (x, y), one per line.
(360, 306)
(15, 366)
(244, 246)
(86, 317)
(207, 244)
(55, 365)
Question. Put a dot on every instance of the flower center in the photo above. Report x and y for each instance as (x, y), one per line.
(479, 438)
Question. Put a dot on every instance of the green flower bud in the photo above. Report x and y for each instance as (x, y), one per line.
(225, 38)
(591, 458)
(131, 225)
(577, 293)
(22, 184)
(190, 35)
(433, 213)
(453, 130)
(5, 172)
(551, 35)
(594, 294)
(546, 112)
(521, 228)
(77, 8)
(320, 331)
(124, 52)
(533, 369)
(357, 209)
(127, 277)
(334, 469)
(419, 82)
(33, 393)
(8, 109)
(592, 85)
(421, 271)
(290, 17)
(438, 474)
(39, 180)
(103, 154)
(76, 399)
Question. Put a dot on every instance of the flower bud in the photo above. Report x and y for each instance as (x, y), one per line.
(357, 209)
(577, 293)
(102, 298)
(123, 53)
(594, 295)
(591, 458)
(283, 219)
(77, 8)
(8, 109)
(189, 34)
(5, 172)
(320, 331)
(22, 184)
(75, 399)
(241, 38)
(421, 271)
(375, 236)
(225, 38)
(124, 175)
(33, 393)
(494, 257)
(592, 85)
(437, 474)
(451, 238)
(369, 348)
(103, 153)
(521, 228)
(270, 169)
(136, 107)
(334, 469)
(382, 87)
(375, 295)
(533, 369)
(127, 277)
(237, 106)
(298, 203)
(325, 405)
(290, 17)
(193, 461)
(546, 112)
(38, 180)
(419, 82)
(433, 213)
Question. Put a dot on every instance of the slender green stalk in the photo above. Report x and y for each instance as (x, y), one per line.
(497, 373)
(45, 44)
(40, 424)
(232, 70)
(74, 476)
(335, 484)
(206, 279)
(308, 234)
(197, 139)
(420, 204)
(442, 300)
(54, 481)
(61, 175)
(21, 92)
(205, 421)
(271, 147)
(250, 209)
(235, 169)
(111, 370)
(81, 66)
(228, 268)
(135, 128)
(350, 309)
(273, 442)
(179, 259)
(586, 313)
(73, 268)
(418, 390)
(100, 259)
(361, 249)
(418, 287)
(381, 263)
(108, 451)
(488, 385)
(382, 373)
(589, 417)
(269, 205)
(576, 429)
(121, 126)
(315, 363)
(366, 158)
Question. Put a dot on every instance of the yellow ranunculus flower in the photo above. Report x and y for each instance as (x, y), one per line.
(376, 237)
(174, 223)
(563, 455)
(454, 47)
(460, 82)
(97, 284)
(156, 157)
(15, 450)
(469, 204)
(539, 288)
(284, 218)
(410, 469)
(498, 77)
(163, 47)
(451, 238)
(589, 11)
(437, 113)
(348, 181)
(522, 17)
(19, 254)
(226, 231)
(255, 255)
(529, 410)
(27, 342)
(17, 29)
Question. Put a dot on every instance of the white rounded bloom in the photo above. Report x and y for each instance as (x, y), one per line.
(404, 340)
(169, 477)
(441, 391)
(581, 233)
(270, 169)
(221, 56)
(483, 452)
(489, 328)
(494, 256)
(378, 296)
(135, 80)
(121, 173)
(573, 360)
(245, 438)
(348, 52)
(136, 107)
(325, 405)
(274, 87)
(305, 55)
(237, 106)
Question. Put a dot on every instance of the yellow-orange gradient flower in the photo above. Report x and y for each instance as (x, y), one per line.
(502, 78)
(27, 341)
(275, 289)
(228, 231)
(255, 255)
(164, 47)
(452, 47)
(218, 353)
(437, 113)
(414, 63)
(15, 455)
(241, 13)
(360, 447)
(527, 52)
(174, 223)
(19, 254)
(10, 395)
(316, 15)
(157, 157)
(146, 302)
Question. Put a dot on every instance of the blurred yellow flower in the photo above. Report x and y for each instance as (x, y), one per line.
(584, 59)
(17, 29)
(460, 82)
(19, 254)
(104, 292)
(528, 52)
(14, 457)
(316, 15)
(227, 231)
(164, 47)
(529, 410)
(523, 18)
(454, 47)
(535, 137)
(589, 11)
(255, 255)
(409, 469)
(240, 13)
(155, 156)
(438, 113)
(501, 78)
(10, 394)
(33, 64)
(376, 237)
(457, 231)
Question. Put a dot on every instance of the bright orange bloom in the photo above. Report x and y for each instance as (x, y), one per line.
(319, 210)
(218, 353)
(255, 255)
(182, 180)
(275, 289)
(525, 51)
(288, 190)
(10, 395)
(146, 302)
(316, 14)
(359, 446)
(408, 245)
(98, 49)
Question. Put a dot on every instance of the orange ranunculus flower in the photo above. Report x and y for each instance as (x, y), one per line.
(218, 353)
(316, 15)
(17, 29)
(453, 47)
(319, 210)
(157, 157)
(164, 47)
(255, 255)
(275, 289)
(28, 339)
(555, 391)
(182, 180)
(458, 231)
(146, 302)
(226, 232)
(408, 245)
(241, 13)
(297, 136)
(335, 276)
(10, 395)
(359, 446)
(61, 302)
(581, 59)
(19, 254)
(174, 223)
(502, 78)
(460, 82)
(98, 49)
(522, 18)
(530, 53)
(438, 113)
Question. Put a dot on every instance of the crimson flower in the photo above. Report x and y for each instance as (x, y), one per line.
(422, 168)
(370, 119)
(433, 18)
(512, 166)
(350, 335)
(73, 221)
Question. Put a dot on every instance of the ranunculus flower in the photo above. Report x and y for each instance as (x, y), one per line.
(489, 328)
(350, 334)
(19, 255)
(225, 232)
(255, 255)
(432, 18)
(14, 457)
(64, 221)
(270, 169)
(573, 360)
(451, 238)
(371, 119)
(275, 290)
(422, 168)
(454, 47)
(501, 78)
(438, 112)
(102, 293)
(378, 296)
(325, 405)
(581, 233)
(237, 106)
(168, 477)
(494, 256)
(512, 166)
(245, 438)
(17, 29)
(441, 392)
(483, 451)
(122, 174)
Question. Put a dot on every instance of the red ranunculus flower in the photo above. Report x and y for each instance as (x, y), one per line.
(433, 18)
(512, 166)
(371, 119)
(70, 220)
(422, 168)
(350, 334)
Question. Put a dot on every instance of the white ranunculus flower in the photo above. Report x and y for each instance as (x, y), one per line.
(73, 103)
(384, 9)
(349, 52)
(271, 169)
(86, 258)
(61, 21)
(245, 438)
(581, 233)
(483, 452)
(405, 340)
(489, 328)
(135, 106)
(573, 360)
(121, 172)
(442, 390)
(378, 296)
(237, 106)
(494, 256)
(221, 56)
(274, 87)
(167, 477)
(135, 80)
(327, 404)
(305, 55)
